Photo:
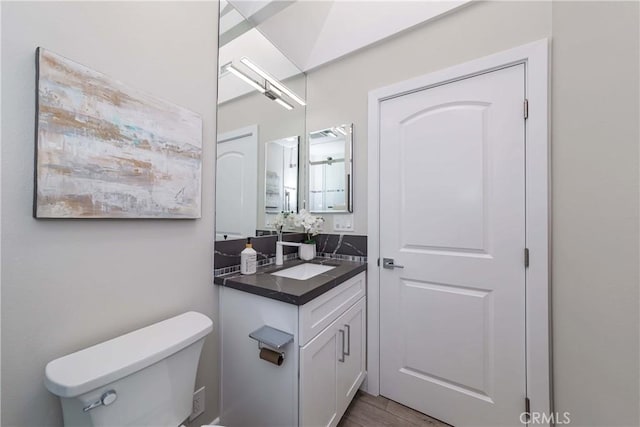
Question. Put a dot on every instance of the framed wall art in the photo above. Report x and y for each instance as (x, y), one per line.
(106, 150)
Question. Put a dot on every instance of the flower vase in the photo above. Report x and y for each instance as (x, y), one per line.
(307, 251)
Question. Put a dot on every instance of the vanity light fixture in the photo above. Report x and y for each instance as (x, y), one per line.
(340, 130)
(275, 83)
(244, 77)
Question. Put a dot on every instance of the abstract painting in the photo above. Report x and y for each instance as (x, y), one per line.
(106, 150)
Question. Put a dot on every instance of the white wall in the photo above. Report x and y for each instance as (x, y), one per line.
(595, 171)
(70, 284)
(595, 120)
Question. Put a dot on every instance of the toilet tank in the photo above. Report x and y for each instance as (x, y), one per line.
(150, 372)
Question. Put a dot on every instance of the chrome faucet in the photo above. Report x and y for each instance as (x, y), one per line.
(279, 253)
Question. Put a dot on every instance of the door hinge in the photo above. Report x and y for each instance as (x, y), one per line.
(526, 109)
(378, 262)
(526, 257)
(527, 409)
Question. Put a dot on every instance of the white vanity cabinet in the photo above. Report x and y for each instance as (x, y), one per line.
(323, 367)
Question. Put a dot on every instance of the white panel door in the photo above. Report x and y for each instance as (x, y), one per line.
(452, 212)
(237, 184)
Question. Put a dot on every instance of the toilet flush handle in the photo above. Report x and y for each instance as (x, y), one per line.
(107, 398)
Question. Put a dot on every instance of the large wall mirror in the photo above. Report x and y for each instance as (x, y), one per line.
(261, 125)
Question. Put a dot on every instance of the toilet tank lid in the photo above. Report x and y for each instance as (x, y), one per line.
(96, 366)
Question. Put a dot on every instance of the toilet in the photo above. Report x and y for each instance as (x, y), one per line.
(144, 378)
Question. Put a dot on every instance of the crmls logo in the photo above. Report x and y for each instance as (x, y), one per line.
(556, 418)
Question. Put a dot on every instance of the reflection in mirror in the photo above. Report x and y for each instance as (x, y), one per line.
(281, 176)
(261, 102)
(330, 170)
(236, 193)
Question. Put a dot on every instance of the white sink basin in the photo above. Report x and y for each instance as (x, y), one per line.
(303, 271)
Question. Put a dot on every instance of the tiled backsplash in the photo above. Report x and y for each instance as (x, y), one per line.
(339, 246)
(227, 252)
(355, 258)
(236, 268)
(342, 244)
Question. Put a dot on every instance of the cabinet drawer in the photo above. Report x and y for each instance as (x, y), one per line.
(317, 314)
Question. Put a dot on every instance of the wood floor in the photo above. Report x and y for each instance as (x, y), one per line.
(369, 411)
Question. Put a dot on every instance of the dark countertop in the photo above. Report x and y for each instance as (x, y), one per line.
(292, 291)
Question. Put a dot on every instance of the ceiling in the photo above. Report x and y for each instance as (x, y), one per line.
(286, 37)
(312, 33)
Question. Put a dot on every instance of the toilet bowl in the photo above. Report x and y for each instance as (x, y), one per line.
(143, 378)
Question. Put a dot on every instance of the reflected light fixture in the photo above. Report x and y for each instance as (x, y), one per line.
(274, 82)
(276, 95)
(257, 86)
(284, 104)
(268, 89)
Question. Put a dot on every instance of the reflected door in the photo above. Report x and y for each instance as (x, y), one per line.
(236, 184)
(281, 175)
(452, 212)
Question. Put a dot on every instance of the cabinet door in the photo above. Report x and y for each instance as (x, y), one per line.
(351, 372)
(319, 379)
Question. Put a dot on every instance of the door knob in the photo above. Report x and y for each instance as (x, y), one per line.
(389, 263)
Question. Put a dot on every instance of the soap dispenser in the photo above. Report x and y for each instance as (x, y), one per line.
(248, 259)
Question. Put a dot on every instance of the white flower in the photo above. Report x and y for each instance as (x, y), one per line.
(311, 224)
(282, 219)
